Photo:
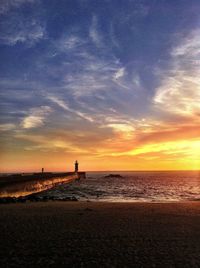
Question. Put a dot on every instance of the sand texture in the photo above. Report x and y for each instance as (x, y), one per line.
(87, 234)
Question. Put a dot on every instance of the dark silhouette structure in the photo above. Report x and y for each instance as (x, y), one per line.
(76, 166)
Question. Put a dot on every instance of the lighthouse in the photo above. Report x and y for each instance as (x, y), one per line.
(76, 166)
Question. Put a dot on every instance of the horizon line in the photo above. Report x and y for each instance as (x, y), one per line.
(140, 170)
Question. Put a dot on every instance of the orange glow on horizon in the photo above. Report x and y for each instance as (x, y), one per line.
(173, 155)
(81, 86)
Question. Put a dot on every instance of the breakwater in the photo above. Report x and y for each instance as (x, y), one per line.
(20, 185)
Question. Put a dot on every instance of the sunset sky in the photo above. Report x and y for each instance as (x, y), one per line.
(114, 84)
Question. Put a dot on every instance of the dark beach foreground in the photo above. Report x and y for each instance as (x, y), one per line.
(87, 234)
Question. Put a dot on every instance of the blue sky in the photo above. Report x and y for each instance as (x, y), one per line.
(87, 73)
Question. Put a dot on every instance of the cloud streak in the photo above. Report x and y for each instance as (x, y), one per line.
(7, 5)
(94, 32)
(179, 91)
(63, 105)
(21, 27)
(7, 127)
(36, 117)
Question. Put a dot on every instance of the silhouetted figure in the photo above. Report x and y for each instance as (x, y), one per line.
(76, 166)
(42, 170)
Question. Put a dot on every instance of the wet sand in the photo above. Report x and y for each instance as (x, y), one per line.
(87, 234)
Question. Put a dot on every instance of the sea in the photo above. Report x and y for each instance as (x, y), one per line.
(135, 186)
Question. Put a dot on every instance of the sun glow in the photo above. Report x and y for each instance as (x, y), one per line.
(91, 93)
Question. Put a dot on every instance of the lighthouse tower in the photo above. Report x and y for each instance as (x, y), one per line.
(76, 166)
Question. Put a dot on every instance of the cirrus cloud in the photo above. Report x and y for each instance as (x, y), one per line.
(179, 91)
(36, 117)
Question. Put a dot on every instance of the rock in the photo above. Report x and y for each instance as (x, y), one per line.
(34, 198)
(21, 199)
(66, 199)
(73, 198)
(47, 198)
(8, 200)
(2, 200)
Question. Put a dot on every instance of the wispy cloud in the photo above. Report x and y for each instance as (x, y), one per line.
(113, 37)
(125, 129)
(60, 102)
(136, 80)
(68, 43)
(40, 142)
(36, 117)
(20, 28)
(179, 91)
(189, 46)
(65, 106)
(7, 5)
(119, 73)
(93, 75)
(119, 78)
(94, 32)
(7, 127)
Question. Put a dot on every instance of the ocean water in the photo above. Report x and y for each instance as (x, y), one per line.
(163, 186)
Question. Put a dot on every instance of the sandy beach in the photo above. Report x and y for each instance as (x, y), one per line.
(87, 234)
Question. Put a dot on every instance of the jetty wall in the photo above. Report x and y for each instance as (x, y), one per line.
(22, 184)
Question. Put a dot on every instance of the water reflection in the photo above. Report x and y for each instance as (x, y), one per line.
(165, 186)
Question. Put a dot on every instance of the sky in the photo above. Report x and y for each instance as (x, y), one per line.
(114, 84)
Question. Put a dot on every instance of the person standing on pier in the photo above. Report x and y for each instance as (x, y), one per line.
(76, 166)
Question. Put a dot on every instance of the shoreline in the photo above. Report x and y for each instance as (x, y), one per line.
(33, 198)
(96, 203)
